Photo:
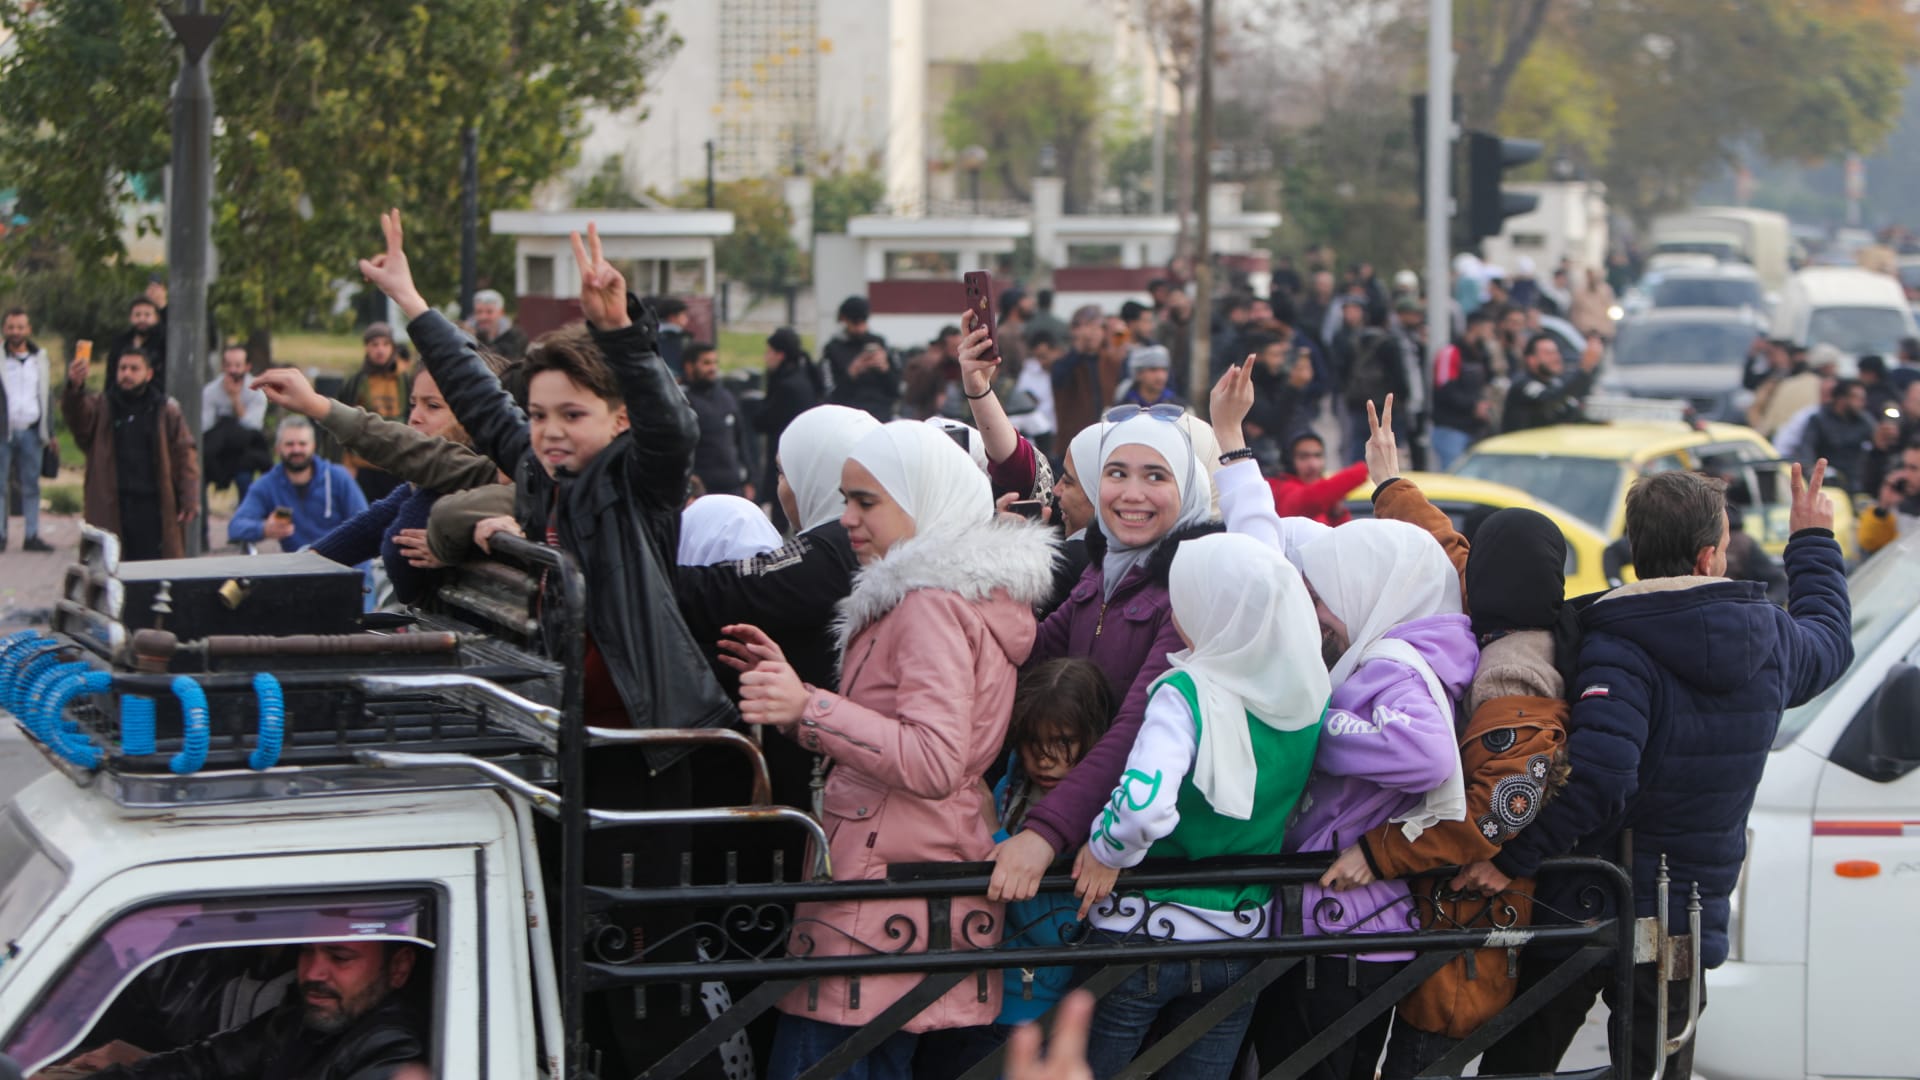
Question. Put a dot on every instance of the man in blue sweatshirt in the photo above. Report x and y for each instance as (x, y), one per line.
(299, 500)
(1682, 679)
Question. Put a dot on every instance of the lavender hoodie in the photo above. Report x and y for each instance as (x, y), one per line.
(1383, 745)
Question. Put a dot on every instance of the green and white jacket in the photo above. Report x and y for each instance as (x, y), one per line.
(1157, 812)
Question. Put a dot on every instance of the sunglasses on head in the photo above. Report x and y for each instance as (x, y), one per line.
(1165, 413)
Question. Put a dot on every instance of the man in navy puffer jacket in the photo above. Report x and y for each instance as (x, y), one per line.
(1682, 679)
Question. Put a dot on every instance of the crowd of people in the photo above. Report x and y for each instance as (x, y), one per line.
(1010, 600)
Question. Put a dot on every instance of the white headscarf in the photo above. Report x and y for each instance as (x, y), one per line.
(1254, 650)
(1196, 492)
(812, 450)
(1375, 575)
(928, 474)
(723, 528)
(1206, 450)
(1083, 454)
(976, 447)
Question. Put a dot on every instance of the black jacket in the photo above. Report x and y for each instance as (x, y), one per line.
(1844, 441)
(1466, 371)
(278, 1046)
(1276, 408)
(511, 343)
(1679, 694)
(620, 517)
(155, 348)
(877, 392)
(1533, 402)
(718, 457)
(792, 388)
(790, 592)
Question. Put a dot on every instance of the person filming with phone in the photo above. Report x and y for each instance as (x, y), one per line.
(1897, 512)
(299, 500)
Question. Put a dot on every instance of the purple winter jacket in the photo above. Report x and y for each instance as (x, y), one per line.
(1383, 744)
(1128, 638)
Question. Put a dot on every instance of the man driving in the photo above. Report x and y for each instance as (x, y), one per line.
(347, 1021)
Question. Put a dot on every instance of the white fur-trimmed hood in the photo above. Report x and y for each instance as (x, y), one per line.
(998, 554)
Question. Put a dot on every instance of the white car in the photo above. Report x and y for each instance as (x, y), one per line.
(1824, 972)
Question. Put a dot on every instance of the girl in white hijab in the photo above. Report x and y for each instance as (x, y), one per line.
(1132, 514)
(812, 450)
(940, 618)
(724, 528)
(1235, 722)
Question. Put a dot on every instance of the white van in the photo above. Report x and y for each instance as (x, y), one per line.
(1856, 311)
(1825, 963)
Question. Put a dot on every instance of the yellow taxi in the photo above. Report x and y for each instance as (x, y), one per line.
(1585, 469)
(1468, 501)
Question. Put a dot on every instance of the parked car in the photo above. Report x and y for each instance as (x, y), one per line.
(1586, 468)
(1469, 501)
(1694, 354)
(1821, 978)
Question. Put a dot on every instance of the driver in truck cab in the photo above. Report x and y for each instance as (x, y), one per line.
(347, 1021)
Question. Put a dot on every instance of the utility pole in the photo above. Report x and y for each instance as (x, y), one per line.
(1439, 181)
(190, 222)
(1198, 362)
(469, 217)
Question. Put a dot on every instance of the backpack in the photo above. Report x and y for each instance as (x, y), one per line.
(1371, 378)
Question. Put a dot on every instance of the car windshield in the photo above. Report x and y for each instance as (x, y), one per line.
(1882, 590)
(29, 878)
(1587, 488)
(1707, 292)
(1711, 343)
(1858, 331)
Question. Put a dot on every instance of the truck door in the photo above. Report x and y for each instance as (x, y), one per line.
(1863, 956)
(167, 955)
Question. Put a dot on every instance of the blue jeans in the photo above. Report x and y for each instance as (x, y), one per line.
(1123, 1017)
(20, 457)
(799, 1044)
(1448, 445)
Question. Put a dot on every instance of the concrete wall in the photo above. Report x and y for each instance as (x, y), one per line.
(667, 148)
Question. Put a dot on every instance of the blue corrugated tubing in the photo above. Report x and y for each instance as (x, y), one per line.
(10, 658)
(76, 747)
(33, 700)
(273, 722)
(136, 725)
(198, 736)
(25, 665)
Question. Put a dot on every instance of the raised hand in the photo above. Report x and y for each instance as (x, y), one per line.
(978, 361)
(289, 388)
(389, 272)
(78, 370)
(603, 292)
(1383, 454)
(1812, 508)
(1229, 404)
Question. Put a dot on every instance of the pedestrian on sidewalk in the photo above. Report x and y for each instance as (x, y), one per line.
(143, 469)
(26, 399)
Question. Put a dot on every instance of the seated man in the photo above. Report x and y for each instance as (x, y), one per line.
(349, 1022)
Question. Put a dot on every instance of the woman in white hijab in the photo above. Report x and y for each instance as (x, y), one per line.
(724, 528)
(1151, 493)
(940, 618)
(1219, 765)
(812, 450)
(791, 591)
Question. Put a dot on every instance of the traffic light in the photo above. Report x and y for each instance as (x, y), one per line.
(1486, 203)
(1420, 154)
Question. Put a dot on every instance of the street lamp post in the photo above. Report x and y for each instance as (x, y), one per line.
(973, 159)
(190, 219)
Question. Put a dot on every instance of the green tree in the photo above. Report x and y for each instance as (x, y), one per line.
(328, 113)
(607, 188)
(761, 253)
(1014, 107)
(843, 196)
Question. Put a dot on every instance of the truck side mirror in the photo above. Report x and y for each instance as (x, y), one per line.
(9, 1069)
(1895, 739)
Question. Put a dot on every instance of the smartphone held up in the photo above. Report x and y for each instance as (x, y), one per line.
(979, 285)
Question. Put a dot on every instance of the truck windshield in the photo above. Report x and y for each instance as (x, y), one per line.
(1858, 331)
(1882, 590)
(1717, 344)
(1708, 292)
(29, 878)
